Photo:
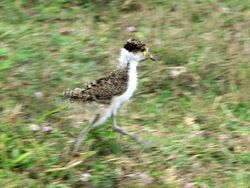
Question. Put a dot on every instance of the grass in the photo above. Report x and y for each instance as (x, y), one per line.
(199, 118)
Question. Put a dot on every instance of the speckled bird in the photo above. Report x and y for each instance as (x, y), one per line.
(112, 90)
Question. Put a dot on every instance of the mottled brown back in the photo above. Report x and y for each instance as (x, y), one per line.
(103, 89)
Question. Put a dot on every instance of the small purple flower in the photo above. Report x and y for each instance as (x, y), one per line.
(85, 177)
(189, 185)
(131, 29)
(38, 94)
(34, 127)
(47, 129)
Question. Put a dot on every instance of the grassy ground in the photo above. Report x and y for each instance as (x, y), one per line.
(197, 113)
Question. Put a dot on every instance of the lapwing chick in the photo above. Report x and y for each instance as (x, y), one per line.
(112, 90)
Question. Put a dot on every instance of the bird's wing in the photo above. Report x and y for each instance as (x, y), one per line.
(103, 89)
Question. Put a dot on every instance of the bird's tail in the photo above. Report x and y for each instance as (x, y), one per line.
(76, 93)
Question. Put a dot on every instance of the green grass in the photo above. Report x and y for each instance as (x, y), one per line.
(200, 118)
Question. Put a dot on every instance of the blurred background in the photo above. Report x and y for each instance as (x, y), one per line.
(193, 102)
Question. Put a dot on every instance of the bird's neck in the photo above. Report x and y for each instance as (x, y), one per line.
(125, 60)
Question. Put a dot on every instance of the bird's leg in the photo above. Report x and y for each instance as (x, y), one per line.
(82, 134)
(133, 136)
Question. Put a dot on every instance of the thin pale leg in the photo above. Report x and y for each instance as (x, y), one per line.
(98, 120)
(133, 136)
(83, 133)
(103, 117)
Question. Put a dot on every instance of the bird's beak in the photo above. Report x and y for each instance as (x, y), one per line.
(149, 55)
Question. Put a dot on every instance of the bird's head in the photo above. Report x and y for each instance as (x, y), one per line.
(136, 50)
